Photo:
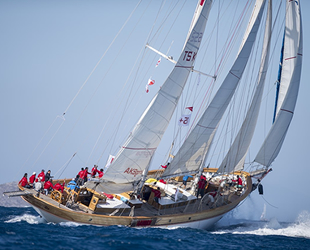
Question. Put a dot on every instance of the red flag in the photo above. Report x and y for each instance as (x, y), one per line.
(151, 82)
(147, 88)
(190, 108)
(164, 166)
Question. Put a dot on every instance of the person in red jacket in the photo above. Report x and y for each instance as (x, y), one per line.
(59, 187)
(201, 186)
(94, 171)
(157, 194)
(48, 186)
(32, 178)
(84, 174)
(42, 175)
(24, 182)
(100, 173)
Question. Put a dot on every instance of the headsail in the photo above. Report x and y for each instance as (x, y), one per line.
(136, 154)
(234, 159)
(192, 153)
(291, 71)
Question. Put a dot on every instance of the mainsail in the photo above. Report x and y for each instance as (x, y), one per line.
(291, 71)
(192, 153)
(234, 159)
(135, 155)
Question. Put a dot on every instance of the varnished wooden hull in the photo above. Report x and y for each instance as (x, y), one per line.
(202, 220)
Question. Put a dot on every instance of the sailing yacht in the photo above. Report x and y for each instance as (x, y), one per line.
(131, 194)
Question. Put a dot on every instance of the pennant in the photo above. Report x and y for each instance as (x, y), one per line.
(184, 120)
(164, 166)
(190, 108)
(151, 82)
(109, 161)
(158, 62)
(147, 88)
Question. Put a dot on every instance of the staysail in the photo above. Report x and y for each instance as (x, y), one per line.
(192, 153)
(291, 71)
(234, 159)
(135, 155)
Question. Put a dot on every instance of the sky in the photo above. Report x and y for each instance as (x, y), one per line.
(48, 66)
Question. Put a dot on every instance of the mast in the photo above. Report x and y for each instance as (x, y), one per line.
(192, 154)
(291, 71)
(135, 155)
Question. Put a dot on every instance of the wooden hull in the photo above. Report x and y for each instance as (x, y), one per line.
(202, 220)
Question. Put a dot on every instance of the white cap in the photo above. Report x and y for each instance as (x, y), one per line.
(33, 173)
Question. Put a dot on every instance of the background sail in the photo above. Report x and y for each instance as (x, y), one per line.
(135, 155)
(192, 153)
(273, 142)
(234, 159)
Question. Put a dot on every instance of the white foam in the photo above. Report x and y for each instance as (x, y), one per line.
(31, 219)
(300, 228)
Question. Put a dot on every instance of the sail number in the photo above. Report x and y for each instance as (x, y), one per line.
(195, 37)
(189, 55)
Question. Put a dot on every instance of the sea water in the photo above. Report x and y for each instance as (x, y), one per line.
(22, 228)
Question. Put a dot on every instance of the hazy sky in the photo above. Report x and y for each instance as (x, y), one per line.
(49, 49)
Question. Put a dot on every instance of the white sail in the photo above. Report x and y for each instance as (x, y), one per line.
(192, 153)
(234, 159)
(135, 155)
(293, 38)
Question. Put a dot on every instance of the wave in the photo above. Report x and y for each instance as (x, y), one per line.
(31, 219)
(299, 228)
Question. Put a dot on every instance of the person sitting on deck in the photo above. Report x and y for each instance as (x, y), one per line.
(24, 182)
(48, 186)
(157, 194)
(37, 184)
(239, 182)
(32, 178)
(72, 184)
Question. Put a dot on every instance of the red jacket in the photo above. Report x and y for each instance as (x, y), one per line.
(156, 193)
(202, 182)
(31, 179)
(94, 171)
(100, 174)
(48, 185)
(42, 175)
(23, 181)
(59, 187)
(81, 173)
(84, 174)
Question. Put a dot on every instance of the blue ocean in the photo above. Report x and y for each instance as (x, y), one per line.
(22, 228)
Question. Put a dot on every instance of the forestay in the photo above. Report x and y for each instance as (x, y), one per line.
(192, 153)
(135, 155)
(291, 71)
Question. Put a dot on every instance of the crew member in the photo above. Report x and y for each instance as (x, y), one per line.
(24, 182)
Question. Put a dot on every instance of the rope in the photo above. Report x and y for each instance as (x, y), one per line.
(269, 203)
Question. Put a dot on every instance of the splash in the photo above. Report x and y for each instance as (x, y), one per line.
(31, 219)
(299, 228)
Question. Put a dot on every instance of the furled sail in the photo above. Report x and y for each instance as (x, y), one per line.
(291, 71)
(192, 153)
(135, 155)
(234, 159)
